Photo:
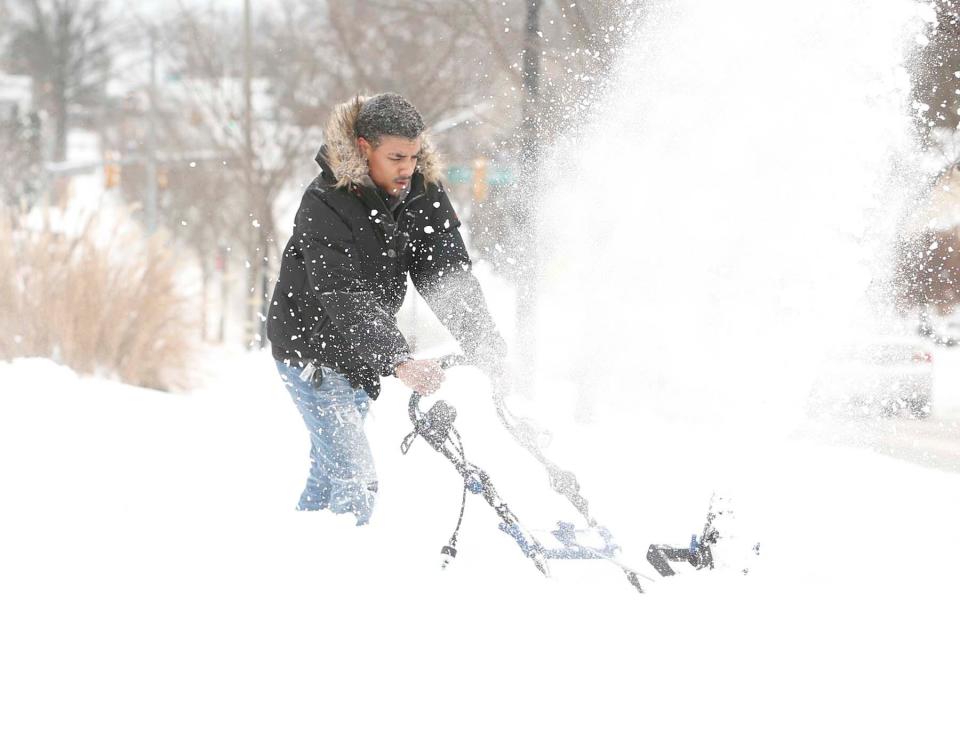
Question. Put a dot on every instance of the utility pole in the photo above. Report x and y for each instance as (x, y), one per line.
(528, 286)
(253, 255)
(150, 203)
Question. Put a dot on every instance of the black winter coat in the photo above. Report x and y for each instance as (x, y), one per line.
(344, 271)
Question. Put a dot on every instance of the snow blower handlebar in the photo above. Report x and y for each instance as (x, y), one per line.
(413, 408)
(436, 425)
(437, 428)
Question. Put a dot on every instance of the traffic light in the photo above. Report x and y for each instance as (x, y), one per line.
(111, 170)
(480, 179)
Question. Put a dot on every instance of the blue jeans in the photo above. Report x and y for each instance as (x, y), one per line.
(342, 475)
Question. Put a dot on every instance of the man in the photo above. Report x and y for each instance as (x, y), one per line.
(376, 212)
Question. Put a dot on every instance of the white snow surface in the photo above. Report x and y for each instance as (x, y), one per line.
(156, 578)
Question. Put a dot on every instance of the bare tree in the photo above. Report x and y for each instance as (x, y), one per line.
(563, 50)
(395, 46)
(543, 67)
(19, 159)
(304, 59)
(225, 169)
(454, 60)
(926, 265)
(936, 67)
(926, 271)
(64, 45)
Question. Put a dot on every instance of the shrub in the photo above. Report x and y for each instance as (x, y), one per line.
(101, 300)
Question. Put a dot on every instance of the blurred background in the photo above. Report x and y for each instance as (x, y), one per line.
(153, 155)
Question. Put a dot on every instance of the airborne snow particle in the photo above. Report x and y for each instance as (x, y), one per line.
(428, 229)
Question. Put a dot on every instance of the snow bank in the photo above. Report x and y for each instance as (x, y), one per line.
(156, 578)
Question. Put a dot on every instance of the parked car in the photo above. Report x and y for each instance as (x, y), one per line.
(880, 377)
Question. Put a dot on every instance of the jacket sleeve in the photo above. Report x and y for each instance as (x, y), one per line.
(442, 273)
(334, 278)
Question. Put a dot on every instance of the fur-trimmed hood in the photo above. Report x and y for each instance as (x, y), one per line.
(341, 154)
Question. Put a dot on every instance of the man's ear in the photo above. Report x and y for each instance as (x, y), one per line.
(365, 146)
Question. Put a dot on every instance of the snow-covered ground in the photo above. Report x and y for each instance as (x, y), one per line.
(156, 578)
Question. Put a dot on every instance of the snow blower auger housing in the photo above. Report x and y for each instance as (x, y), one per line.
(698, 553)
(436, 427)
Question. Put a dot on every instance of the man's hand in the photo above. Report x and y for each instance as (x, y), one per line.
(423, 376)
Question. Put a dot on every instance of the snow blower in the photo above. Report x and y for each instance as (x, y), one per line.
(568, 541)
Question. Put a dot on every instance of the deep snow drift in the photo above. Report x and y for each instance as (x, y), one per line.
(156, 578)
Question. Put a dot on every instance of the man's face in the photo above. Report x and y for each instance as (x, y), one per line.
(392, 162)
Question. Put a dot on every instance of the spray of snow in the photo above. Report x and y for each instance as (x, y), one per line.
(720, 222)
(713, 235)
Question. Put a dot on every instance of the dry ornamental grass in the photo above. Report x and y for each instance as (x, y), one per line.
(101, 301)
